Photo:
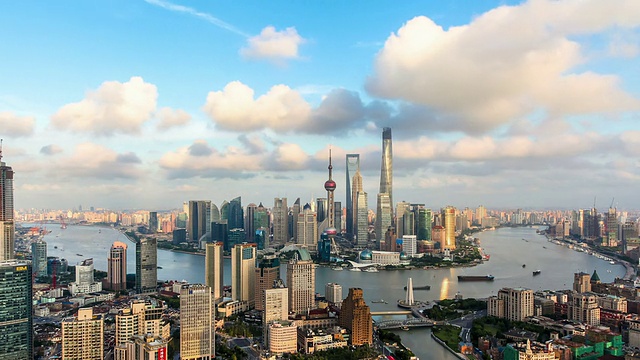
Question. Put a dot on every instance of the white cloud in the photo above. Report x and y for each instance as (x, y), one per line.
(90, 160)
(16, 126)
(172, 118)
(114, 107)
(273, 45)
(506, 64)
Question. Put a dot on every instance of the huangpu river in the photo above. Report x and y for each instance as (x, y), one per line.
(509, 248)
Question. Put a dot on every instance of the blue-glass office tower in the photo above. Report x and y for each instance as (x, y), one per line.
(16, 317)
(236, 214)
(324, 248)
(353, 165)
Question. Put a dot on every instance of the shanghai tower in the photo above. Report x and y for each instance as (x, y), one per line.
(7, 228)
(386, 171)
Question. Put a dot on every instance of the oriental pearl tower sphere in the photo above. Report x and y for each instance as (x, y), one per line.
(330, 186)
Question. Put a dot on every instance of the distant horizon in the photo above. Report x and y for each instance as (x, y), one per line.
(145, 103)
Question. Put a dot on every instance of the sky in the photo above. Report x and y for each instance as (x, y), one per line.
(144, 104)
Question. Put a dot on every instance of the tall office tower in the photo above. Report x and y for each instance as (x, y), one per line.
(197, 337)
(612, 228)
(261, 238)
(449, 222)
(321, 208)
(39, 257)
(235, 237)
(333, 293)
(383, 216)
(140, 318)
(243, 264)
(84, 279)
(266, 274)
(307, 225)
(153, 221)
(117, 267)
(337, 216)
(261, 218)
(424, 224)
(249, 222)
(386, 169)
(409, 245)
(362, 219)
(408, 223)
(293, 220)
(356, 316)
(213, 273)
(146, 266)
(301, 282)
(7, 227)
(352, 166)
(82, 336)
(224, 210)
(275, 307)
(215, 213)
(16, 317)
(280, 221)
(220, 233)
(581, 282)
(401, 208)
(236, 214)
(481, 213)
(583, 308)
(515, 304)
(330, 186)
(199, 221)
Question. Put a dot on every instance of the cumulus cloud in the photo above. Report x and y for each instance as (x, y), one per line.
(16, 126)
(505, 65)
(284, 110)
(50, 149)
(172, 118)
(114, 107)
(232, 162)
(90, 160)
(273, 45)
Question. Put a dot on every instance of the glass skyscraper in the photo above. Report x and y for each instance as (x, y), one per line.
(386, 169)
(353, 165)
(7, 227)
(16, 318)
(146, 266)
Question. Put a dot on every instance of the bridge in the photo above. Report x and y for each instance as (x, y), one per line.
(396, 324)
(393, 312)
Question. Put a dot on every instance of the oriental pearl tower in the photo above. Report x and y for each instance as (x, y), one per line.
(330, 186)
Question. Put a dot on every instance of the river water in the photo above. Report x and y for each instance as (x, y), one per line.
(509, 248)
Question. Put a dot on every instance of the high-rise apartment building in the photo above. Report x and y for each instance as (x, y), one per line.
(515, 304)
(82, 336)
(386, 169)
(384, 218)
(199, 219)
(243, 264)
(356, 316)
(449, 223)
(301, 282)
(85, 282)
(266, 274)
(153, 221)
(275, 307)
(307, 227)
(611, 236)
(141, 318)
(352, 165)
(117, 266)
(583, 308)
(213, 272)
(16, 317)
(39, 257)
(333, 293)
(7, 226)
(362, 219)
(197, 337)
(146, 266)
(280, 221)
(143, 347)
(581, 282)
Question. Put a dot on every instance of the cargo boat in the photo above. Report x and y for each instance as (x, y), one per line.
(537, 272)
(475, 278)
(425, 287)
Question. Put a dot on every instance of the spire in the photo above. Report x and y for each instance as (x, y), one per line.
(330, 166)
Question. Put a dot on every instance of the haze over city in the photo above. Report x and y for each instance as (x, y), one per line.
(146, 104)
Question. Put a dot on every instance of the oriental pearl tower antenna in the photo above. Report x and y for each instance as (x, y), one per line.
(330, 186)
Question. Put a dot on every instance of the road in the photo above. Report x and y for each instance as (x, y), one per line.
(466, 322)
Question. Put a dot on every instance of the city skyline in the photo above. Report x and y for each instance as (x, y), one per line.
(251, 98)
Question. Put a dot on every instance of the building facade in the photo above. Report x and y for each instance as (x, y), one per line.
(16, 314)
(243, 264)
(266, 275)
(280, 214)
(213, 275)
(39, 257)
(356, 316)
(7, 226)
(117, 267)
(352, 165)
(146, 266)
(82, 336)
(197, 337)
(301, 282)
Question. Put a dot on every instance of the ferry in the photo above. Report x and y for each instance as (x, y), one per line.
(354, 269)
(405, 328)
(537, 272)
(381, 301)
(371, 270)
(475, 278)
(425, 287)
(612, 262)
(336, 268)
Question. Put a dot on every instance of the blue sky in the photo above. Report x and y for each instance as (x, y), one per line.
(145, 104)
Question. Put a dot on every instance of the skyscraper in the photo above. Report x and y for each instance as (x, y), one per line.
(386, 170)
(243, 264)
(146, 266)
(301, 282)
(197, 337)
(153, 221)
(362, 220)
(7, 227)
(356, 316)
(307, 226)
(333, 293)
(280, 221)
(199, 220)
(117, 266)
(39, 257)
(236, 214)
(213, 273)
(16, 318)
(141, 318)
(266, 274)
(384, 216)
(449, 221)
(352, 165)
(249, 222)
(330, 186)
(82, 336)
(276, 307)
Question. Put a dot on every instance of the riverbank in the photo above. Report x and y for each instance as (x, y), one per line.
(443, 344)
